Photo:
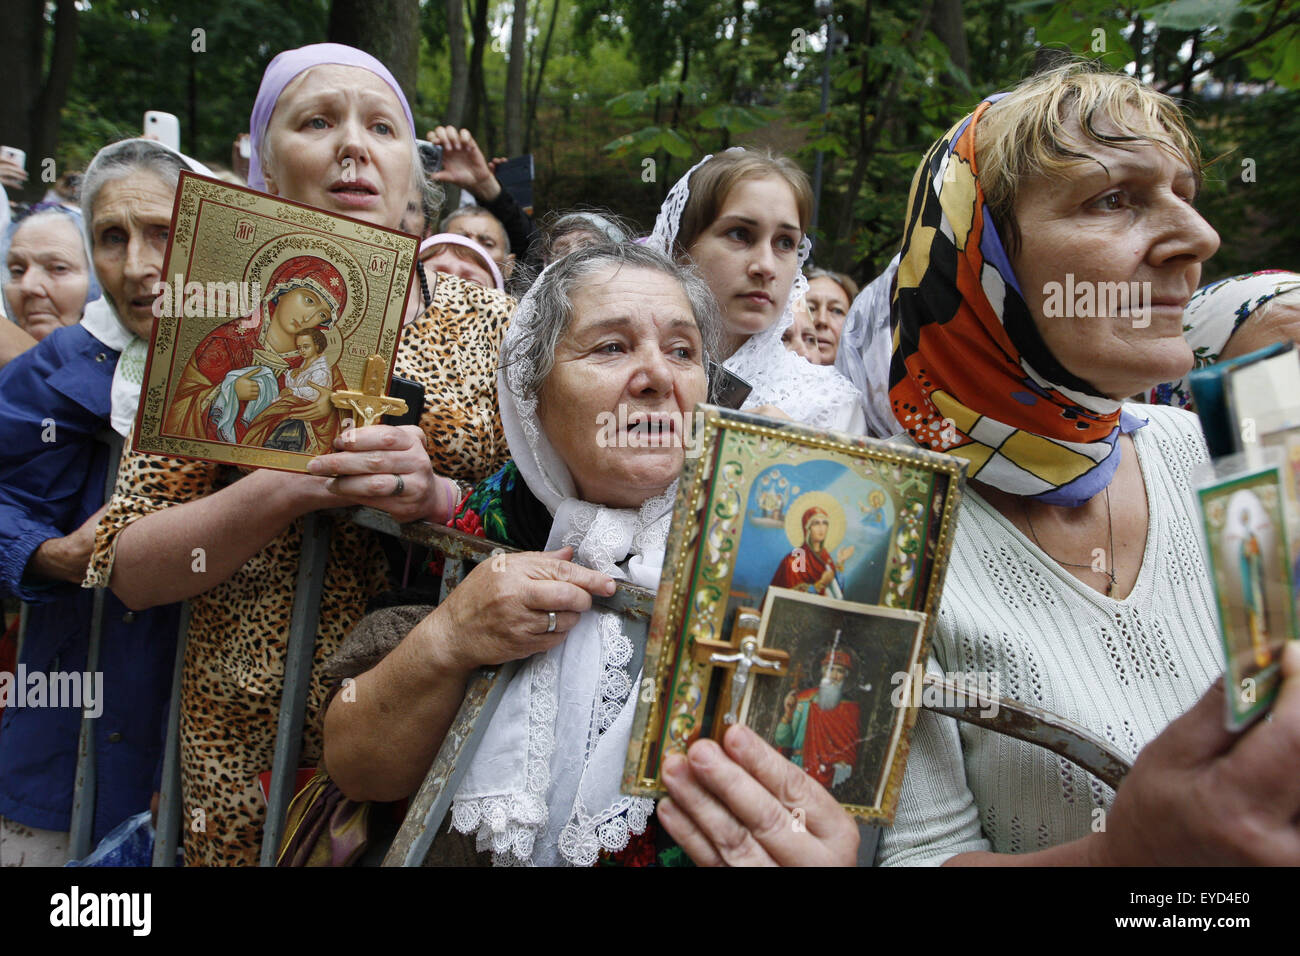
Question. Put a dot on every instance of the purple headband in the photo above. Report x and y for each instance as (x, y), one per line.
(281, 71)
(453, 239)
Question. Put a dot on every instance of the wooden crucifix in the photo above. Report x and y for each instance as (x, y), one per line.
(371, 402)
(743, 655)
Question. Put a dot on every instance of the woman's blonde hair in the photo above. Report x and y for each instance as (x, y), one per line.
(1024, 133)
(839, 278)
(712, 183)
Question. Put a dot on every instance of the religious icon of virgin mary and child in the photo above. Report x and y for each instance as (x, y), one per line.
(264, 380)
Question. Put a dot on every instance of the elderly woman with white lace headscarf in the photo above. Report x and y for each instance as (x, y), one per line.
(742, 217)
(604, 360)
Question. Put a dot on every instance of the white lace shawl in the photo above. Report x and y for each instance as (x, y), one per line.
(543, 786)
(812, 394)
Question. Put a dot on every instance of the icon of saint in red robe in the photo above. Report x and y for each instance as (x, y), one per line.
(819, 729)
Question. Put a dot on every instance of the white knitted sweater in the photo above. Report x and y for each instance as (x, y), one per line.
(1123, 669)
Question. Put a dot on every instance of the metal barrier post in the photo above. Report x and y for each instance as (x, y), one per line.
(170, 811)
(433, 799)
(297, 680)
(81, 832)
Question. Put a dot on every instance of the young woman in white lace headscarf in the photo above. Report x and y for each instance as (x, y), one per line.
(604, 358)
(742, 218)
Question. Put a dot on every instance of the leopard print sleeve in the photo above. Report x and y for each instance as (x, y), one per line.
(145, 484)
(452, 349)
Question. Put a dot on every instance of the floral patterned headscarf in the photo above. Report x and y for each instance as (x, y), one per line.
(971, 375)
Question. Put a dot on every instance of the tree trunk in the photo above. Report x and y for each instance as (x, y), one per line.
(459, 95)
(21, 43)
(950, 28)
(479, 108)
(869, 134)
(1138, 42)
(515, 81)
(666, 177)
(681, 83)
(389, 30)
(193, 104)
(54, 91)
(737, 53)
(535, 93)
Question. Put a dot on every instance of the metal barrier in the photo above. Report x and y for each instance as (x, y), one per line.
(432, 801)
(82, 829)
(171, 812)
(297, 680)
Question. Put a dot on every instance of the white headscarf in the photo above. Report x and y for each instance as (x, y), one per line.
(816, 395)
(102, 321)
(543, 786)
(866, 350)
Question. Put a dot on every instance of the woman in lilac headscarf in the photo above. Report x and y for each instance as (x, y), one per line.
(331, 129)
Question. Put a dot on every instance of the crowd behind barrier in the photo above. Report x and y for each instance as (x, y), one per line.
(957, 347)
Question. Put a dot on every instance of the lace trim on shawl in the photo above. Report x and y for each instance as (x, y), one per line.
(508, 825)
(585, 835)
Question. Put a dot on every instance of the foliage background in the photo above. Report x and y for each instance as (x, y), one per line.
(609, 84)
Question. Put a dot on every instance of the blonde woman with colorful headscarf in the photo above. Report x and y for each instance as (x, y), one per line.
(1076, 578)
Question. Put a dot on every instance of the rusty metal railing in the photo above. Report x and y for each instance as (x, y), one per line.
(430, 805)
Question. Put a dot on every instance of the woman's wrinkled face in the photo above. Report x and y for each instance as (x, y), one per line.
(300, 309)
(129, 228)
(1110, 256)
(447, 262)
(800, 338)
(339, 140)
(749, 254)
(46, 276)
(627, 373)
(828, 305)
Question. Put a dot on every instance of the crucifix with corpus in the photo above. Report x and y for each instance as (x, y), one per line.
(371, 402)
(744, 657)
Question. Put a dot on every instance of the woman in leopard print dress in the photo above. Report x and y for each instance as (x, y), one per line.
(330, 128)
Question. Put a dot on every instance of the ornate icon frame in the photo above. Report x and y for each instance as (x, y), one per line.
(225, 236)
(702, 550)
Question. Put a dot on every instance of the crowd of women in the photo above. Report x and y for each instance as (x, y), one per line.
(524, 343)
